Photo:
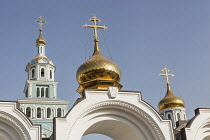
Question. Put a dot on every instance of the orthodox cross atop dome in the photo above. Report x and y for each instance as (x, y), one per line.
(95, 26)
(40, 21)
(166, 75)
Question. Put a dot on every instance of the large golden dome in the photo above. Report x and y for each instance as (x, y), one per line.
(170, 100)
(98, 72)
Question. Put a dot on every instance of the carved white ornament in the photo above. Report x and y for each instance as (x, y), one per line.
(125, 105)
(113, 92)
(2, 115)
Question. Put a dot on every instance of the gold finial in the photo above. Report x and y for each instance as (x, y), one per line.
(40, 21)
(40, 39)
(95, 26)
(166, 75)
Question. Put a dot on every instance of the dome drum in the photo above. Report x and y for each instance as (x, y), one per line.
(98, 84)
(99, 74)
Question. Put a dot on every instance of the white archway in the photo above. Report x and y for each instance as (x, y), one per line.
(122, 118)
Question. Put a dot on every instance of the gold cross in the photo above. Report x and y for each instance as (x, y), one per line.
(95, 26)
(166, 74)
(40, 21)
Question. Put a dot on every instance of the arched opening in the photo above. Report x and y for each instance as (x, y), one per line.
(39, 112)
(33, 73)
(59, 112)
(47, 94)
(42, 72)
(111, 129)
(169, 116)
(42, 92)
(96, 136)
(37, 92)
(50, 74)
(178, 116)
(28, 112)
(48, 112)
(117, 120)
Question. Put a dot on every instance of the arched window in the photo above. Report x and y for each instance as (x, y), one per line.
(33, 73)
(50, 74)
(42, 92)
(37, 92)
(48, 112)
(58, 112)
(178, 116)
(39, 112)
(28, 112)
(42, 72)
(169, 116)
(47, 94)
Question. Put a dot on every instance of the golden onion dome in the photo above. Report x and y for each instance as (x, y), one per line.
(98, 68)
(170, 100)
(40, 39)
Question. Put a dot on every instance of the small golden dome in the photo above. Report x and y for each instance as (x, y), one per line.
(100, 69)
(170, 100)
(40, 39)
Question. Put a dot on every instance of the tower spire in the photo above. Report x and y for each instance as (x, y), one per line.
(40, 39)
(95, 26)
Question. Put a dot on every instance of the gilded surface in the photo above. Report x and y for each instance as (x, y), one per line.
(170, 100)
(98, 67)
(40, 39)
(97, 72)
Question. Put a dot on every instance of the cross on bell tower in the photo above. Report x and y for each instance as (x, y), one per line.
(40, 21)
(95, 26)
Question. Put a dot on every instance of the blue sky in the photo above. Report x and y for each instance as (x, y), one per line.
(143, 36)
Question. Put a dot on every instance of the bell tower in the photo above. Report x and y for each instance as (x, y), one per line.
(41, 104)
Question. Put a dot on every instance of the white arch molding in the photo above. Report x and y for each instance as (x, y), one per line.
(198, 128)
(12, 127)
(109, 118)
(115, 118)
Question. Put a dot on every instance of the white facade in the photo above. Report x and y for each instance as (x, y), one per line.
(14, 125)
(120, 115)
